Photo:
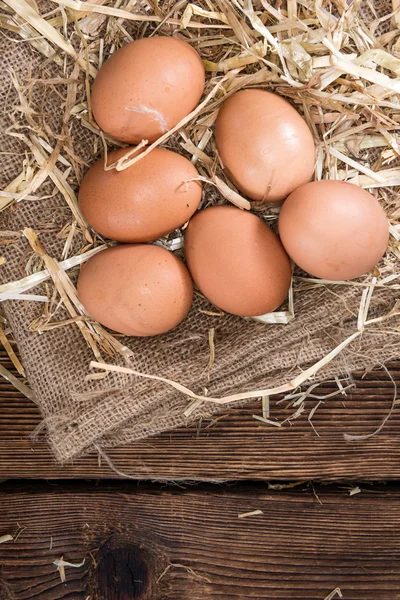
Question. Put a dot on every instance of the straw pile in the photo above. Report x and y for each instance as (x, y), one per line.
(338, 62)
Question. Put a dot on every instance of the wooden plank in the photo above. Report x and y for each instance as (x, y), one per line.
(233, 447)
(300, 547)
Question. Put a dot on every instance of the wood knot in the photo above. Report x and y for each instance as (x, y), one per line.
(123, 574)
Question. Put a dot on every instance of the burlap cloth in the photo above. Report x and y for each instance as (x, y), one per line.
(77, 414)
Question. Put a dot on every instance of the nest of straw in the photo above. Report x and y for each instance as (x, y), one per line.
(336, 61)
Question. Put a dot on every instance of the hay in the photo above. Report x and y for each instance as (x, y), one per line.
(291, 385)
(253, 513)
(60, 563)
(336, 592)
(6, 538)
(340, 67)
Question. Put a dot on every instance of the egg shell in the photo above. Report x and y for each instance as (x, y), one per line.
(143, 202)
(237, 261)
(265, 145)
(137, 290)
(333, 230)
(145, 88)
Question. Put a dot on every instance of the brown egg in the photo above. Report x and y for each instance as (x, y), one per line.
(265, 146)
(237, 261)
(145, 201)
(139, 290)
(333, 230)
(145, 88)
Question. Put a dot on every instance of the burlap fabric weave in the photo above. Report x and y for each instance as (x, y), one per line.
(78, 414)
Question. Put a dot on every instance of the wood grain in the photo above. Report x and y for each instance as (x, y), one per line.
(235, 447)
(300, 548)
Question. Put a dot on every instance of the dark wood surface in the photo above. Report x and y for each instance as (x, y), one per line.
(301, 547)
(233, 448)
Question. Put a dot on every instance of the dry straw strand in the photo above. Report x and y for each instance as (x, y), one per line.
(291, 385)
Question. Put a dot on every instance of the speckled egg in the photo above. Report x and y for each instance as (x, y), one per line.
(333, 230)
(237, 261)
(145, 88)
(266, 147)
(143, 202)
(138, 290)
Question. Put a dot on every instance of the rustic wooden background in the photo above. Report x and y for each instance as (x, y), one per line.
(234, 447)
(306, 542)
(184, 541)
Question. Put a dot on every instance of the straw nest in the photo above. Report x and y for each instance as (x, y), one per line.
(337, 61)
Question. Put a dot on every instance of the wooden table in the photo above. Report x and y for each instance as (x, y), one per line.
(234, 447)
(190, 544)
(185, 542)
